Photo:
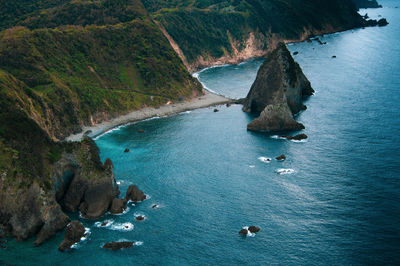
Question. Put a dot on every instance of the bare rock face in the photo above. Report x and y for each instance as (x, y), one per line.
(75, 231)
(276, 117)
(134, 194)
(277, 93)
(118, 206)
(54, 221)
(93, 186)
(279, 80)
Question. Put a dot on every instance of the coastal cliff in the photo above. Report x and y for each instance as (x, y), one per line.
(277, 92)
(220, 32)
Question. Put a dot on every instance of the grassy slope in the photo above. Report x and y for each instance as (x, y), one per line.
(206, 27)
(77, 73)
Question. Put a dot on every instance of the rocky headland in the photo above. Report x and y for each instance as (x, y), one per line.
(277, 93)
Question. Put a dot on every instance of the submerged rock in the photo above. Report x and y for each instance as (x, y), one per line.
(243, 232)
(140, 218)
(75, 231)
(297, 137)
(276, 117)
(134, 194)
(281, 157)
(118, 245)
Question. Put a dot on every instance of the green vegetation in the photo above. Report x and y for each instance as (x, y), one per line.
(74, 73)
(208, 27)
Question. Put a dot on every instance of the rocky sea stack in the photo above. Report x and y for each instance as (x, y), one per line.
(277, 93)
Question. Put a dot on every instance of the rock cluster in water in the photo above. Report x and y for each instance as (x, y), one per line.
(251, 229)
(118, 245)
(277, 93)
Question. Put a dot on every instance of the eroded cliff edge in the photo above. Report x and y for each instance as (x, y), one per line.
(277, 93)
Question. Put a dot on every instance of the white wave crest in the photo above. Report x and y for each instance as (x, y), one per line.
(105, 223)
(283, 171)
(124, 227)
(264, 159)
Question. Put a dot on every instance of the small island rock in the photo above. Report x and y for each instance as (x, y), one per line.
(254, 229)
(297, 137)
(134, 194)
(281, 157)
(118, 245)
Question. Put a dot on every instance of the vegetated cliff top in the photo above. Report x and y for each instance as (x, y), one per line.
(208, 28)
(53, 13)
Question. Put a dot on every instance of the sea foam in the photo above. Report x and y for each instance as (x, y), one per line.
(264, 159)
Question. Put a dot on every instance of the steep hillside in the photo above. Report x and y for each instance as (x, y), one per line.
(220, 31)
(80, 75)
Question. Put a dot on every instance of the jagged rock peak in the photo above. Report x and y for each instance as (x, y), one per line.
(279, 80)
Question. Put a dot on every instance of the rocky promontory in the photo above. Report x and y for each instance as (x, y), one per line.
(277, 93)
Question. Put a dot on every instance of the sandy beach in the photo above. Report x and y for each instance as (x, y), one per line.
(206, 100)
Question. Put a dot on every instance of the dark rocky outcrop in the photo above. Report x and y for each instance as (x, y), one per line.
(134, 194)
(277, 93)
(382, 22)
(118, 206)
(118, 245)
(279, 80)
(93, 187)
(243, 232)
(281, 157)
(297, 137)
(276, 117)
(139, 218)
(254, 229)
(73, 234)
(54, 221)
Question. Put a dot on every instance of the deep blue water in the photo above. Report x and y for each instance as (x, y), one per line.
(340, 206)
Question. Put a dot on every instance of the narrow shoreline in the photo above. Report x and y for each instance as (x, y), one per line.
(203, 101)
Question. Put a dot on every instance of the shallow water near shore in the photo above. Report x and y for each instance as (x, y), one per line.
(337, 203)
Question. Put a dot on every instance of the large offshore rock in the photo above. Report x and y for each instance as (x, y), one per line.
(279, 80)
(276, 117)
(277, 93)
